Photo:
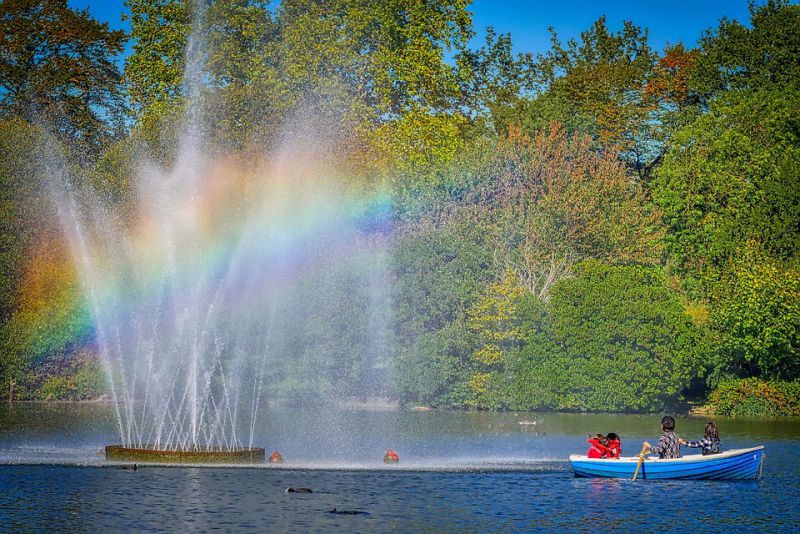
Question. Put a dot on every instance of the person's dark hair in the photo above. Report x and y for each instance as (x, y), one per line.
(711, 430)
(668, 422)
(612, 436)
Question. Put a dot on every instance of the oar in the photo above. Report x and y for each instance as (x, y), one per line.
(641, 459)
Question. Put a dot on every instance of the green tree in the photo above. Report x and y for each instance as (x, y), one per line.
(365, 66)
(57, 67)
(765, 55)
(493, 319)
(496, 81)
(596, 84)
(23, 202)
(245, 100)
(616, 339)
(731, 176)
(439, 272)
(757, 314)
(154, 70)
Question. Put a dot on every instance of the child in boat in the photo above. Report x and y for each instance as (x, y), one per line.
(668, 445)
(614, 444)
(599, 447)
(710, 444)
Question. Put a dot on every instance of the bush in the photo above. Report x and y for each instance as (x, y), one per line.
(612, 339)
(83, 382)
(754, 396)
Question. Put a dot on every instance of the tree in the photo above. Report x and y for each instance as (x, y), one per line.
(57, 67)
(550, 201)
(377, 71)
(493, 319)
(439, 272)
(154, 70)
(616, 339)
(495, 81)
(757, 314)
(50, 318)
(766, 55)
(731, 176)
(245, 99)
(597, 83)
(23, 201)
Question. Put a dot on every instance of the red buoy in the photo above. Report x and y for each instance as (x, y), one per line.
(391, 457)
(275, 458)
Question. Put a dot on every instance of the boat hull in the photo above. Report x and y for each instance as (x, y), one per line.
(739, 464)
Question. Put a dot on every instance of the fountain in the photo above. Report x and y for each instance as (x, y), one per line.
(234, 281)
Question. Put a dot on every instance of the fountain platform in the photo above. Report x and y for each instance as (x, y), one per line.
(150, 454)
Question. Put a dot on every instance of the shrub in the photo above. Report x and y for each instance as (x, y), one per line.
(613, 338)
(754, 396)
(84, 380)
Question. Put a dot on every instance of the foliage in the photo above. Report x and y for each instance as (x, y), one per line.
(439, 272)
(22, 203)
(765, 55)
(615, 338)
(83, 381)
(732, 176)
(548, 201)
(49, 318)
(595, 228)
(58, 67)
(756, 397)
(492, 319)
(154, 69)
(757, 312)
(496, 81)
(600, 81)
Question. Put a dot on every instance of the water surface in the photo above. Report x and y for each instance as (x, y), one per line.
(459, 472)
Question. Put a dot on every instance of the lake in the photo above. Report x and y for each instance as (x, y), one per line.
(458, 472)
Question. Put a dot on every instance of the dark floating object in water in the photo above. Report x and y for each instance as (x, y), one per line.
(131, 467)
(390, 457)
(299, 490)
(150, 454)
(347, 512)
(275, 458)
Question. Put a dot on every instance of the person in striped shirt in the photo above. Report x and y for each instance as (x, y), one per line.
(668, 445)
(710, 444)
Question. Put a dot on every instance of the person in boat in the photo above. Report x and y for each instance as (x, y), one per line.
(614, 444)
(668, 445)
(710, 444)
(599, 447)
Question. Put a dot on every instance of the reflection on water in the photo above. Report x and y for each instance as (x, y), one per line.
(458, 472)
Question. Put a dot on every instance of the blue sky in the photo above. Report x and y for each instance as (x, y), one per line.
(527, 21)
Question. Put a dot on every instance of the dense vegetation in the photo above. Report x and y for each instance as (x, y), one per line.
(602, 227)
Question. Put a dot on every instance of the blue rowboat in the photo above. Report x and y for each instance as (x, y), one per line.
(737, 464)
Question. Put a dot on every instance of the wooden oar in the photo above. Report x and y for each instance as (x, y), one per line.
(641, 459)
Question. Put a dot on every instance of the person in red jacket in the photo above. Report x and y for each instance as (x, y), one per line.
(614, 444)
(599, 447)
